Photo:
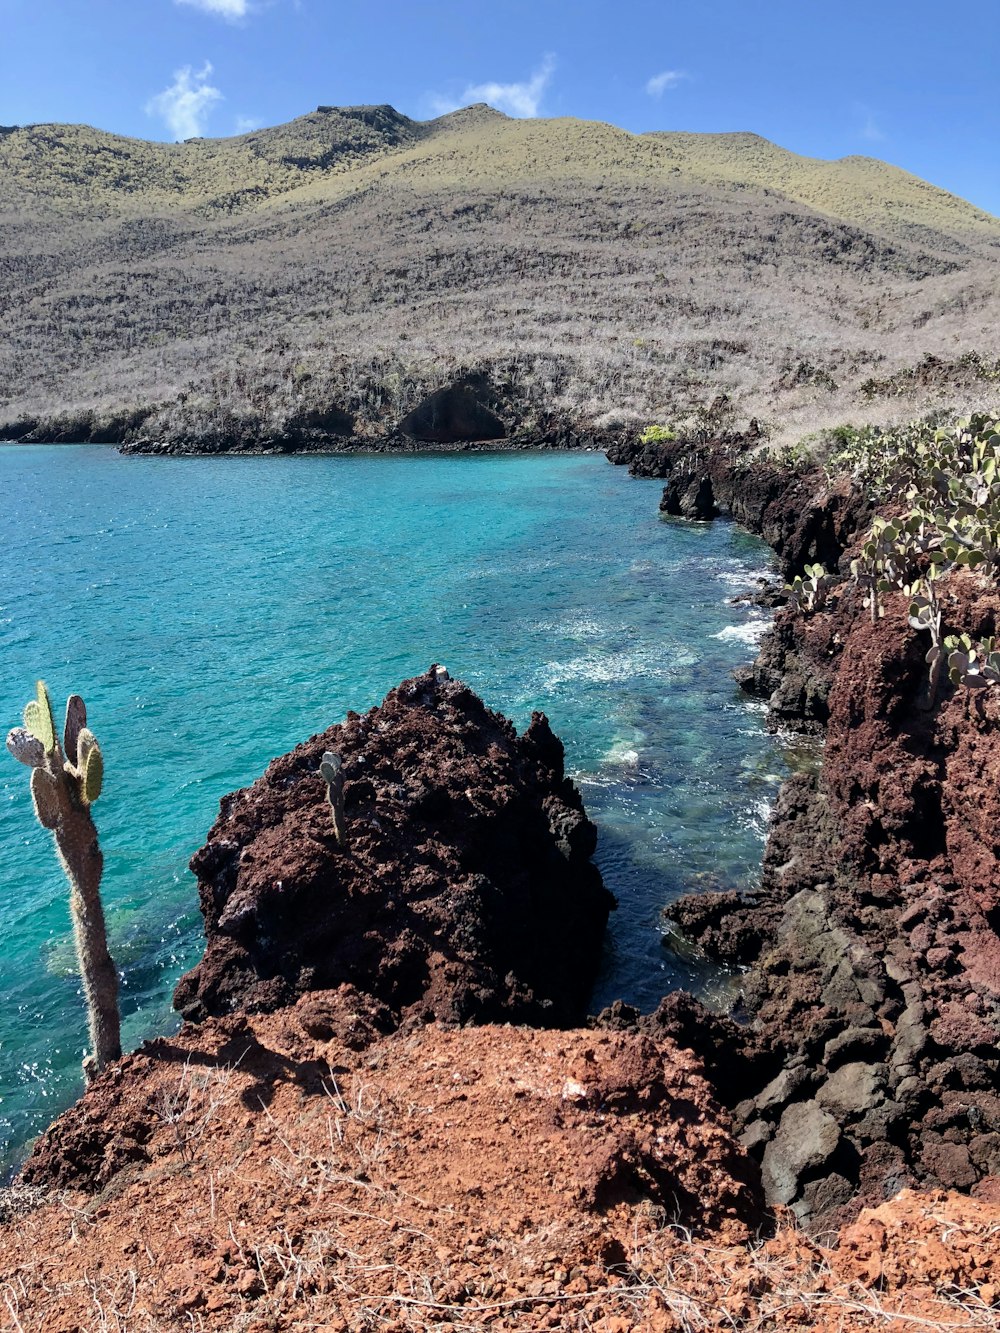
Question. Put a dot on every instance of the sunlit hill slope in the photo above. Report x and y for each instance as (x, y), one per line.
(335, 269)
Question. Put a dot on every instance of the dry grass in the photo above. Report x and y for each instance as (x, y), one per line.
(358, 259)
(316, 1232)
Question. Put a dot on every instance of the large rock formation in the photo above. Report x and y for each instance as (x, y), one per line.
(873, 939)
(463, 891)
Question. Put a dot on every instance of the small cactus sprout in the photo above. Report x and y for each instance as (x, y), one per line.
(65, 782)
(332, 771)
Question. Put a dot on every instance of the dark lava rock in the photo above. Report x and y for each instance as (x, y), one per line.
(873, 937)
(464, 892)
(689, 495)
(806, 1138)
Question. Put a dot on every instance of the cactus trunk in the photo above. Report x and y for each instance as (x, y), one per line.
(63, 790)
(83, 862)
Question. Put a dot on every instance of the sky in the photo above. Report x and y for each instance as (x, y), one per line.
(914, 83)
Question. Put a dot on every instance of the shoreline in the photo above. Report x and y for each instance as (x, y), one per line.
(866, 946)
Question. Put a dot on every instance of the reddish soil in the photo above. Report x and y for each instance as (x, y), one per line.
(247, 1175)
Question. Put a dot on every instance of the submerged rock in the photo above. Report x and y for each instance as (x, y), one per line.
(463, 891)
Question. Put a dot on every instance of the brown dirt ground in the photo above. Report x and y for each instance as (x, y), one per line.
(253, 1177)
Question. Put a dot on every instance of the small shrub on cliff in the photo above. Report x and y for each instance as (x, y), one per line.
(808, 591)
(973, 662)
(657, 435)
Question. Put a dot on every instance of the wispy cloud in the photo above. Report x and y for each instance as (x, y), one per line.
(231, 10)
(659, 83)
(869, 130)
(244, 124)
(185, 105)
(517, 99)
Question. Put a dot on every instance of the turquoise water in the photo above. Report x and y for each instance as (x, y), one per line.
(214, 612)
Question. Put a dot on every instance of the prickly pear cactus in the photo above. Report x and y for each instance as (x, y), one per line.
(38, 717)
(65, 782)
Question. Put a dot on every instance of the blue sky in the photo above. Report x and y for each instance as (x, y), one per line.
(915, 83)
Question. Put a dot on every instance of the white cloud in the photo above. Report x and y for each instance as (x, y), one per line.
(233, 10)
(659, 83)
(244, 124)
(186, 104)
(517, 99)
(870, 131)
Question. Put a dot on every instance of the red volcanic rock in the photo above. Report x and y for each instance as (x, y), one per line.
(464, 890)
(877, 969)
(873, 938)
(248, 1173)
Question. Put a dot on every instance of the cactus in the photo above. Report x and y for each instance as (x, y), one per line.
(808, 590)
(925, 614)
(951, 478)
(973, 662)
(65, 782)
(332, 771)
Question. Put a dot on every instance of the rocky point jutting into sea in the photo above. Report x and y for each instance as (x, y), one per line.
(347, 1130)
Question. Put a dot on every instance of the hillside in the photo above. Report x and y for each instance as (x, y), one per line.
(328, 273)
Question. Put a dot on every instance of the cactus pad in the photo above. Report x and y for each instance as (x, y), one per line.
(331, 765)
(25, 748)
(38, 718)
(91, 773)
(45, 796)
(76, 720)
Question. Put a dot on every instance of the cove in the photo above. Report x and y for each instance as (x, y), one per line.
(215, 612)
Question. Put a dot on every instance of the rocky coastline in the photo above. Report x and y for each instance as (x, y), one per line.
(387, 1107)
(872, 944)
(471, 412)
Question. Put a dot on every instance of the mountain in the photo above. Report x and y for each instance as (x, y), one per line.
(331, 272)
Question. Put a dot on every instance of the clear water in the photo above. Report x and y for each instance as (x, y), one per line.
(214, 612)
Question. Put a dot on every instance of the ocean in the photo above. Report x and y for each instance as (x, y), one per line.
(215, 612)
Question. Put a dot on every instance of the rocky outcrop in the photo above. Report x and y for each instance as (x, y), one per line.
(873, 939)
(798, 514)
(293, 1169)
(629, 1116)
(463, 891)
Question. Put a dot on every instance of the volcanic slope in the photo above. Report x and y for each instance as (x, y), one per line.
(338, 268)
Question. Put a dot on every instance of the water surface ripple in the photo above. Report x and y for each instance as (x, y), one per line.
(215, 612)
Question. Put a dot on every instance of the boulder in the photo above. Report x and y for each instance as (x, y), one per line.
(463, 888)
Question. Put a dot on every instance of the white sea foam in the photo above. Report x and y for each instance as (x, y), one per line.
(621, 754)
(751, 631)
(758, 817)
(611, 668)
(740, 576)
